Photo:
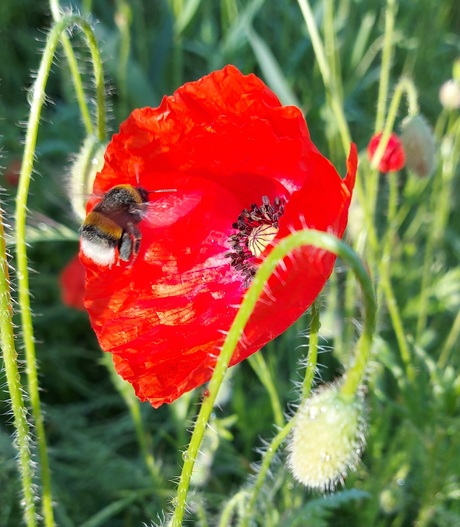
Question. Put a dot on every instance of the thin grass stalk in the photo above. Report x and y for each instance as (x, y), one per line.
(132, 402)
(337, 108)
(385, 68)
(312, 358)
(439, 209)
(385, 286)
(123, 18)
(259, 365)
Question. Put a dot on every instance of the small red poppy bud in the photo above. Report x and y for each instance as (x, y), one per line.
(12, 172)
(393, 158)
(419, 145)
(72, 281)
(449, 94)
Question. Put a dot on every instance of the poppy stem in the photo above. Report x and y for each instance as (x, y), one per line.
(278, 440)
(405, 85)
(354, 380)
(312, 352)
(320, 240)
(98, 71)
(37, 99)
(13, 381)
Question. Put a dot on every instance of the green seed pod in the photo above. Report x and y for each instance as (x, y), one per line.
(327, 439)
(418, 142)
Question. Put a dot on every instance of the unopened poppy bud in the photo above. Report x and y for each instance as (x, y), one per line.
(393, 158)
(72, 281)
(419, 145)
(327, 439)
(449, 94)
(87, 164)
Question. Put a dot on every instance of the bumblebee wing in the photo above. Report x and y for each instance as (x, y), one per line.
(169, 208)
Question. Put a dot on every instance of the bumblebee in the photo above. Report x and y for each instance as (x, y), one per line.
(113, 226)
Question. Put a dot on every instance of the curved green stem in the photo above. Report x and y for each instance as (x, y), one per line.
(13, 381)
(37, 100)
(355, 374)
(232, 503)
(98, 72)
(270, 453)
(318, 239)
(74, 71)
(278, 440)
(405, 85)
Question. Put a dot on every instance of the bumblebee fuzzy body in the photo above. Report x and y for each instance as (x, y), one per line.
(113, 225)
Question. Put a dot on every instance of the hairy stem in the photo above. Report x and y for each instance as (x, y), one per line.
(317, 239)
(13, 381)
(37, 101)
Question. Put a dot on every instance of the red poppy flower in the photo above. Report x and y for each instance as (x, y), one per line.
(72, 282)
(393, 158)
(237, 171)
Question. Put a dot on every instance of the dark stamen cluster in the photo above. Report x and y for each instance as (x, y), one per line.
(248, 220)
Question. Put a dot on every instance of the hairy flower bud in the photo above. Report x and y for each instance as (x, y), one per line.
(449, 94)
(327, 439)
(86, 165)
(419, 145)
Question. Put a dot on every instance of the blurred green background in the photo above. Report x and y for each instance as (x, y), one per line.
(149, 49)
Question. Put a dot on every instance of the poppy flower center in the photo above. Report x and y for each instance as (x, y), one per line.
(256, 228)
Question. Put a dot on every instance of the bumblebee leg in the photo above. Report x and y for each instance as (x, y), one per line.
(125, 247)
(135, 237)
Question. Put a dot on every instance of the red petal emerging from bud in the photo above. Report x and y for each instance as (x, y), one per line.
(72, 281)
(393, 158)
(228, 171)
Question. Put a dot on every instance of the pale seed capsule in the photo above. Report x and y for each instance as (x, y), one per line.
(419, 145)
(327, 439)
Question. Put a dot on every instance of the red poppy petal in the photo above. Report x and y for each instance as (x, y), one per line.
(393, 158)
(215, 147)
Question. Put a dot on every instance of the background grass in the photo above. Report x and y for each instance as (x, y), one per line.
(410, 469)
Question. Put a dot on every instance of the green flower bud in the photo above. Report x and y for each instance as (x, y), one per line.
(327, 439)
(419, 145)
(87, 164)
(449, 94)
